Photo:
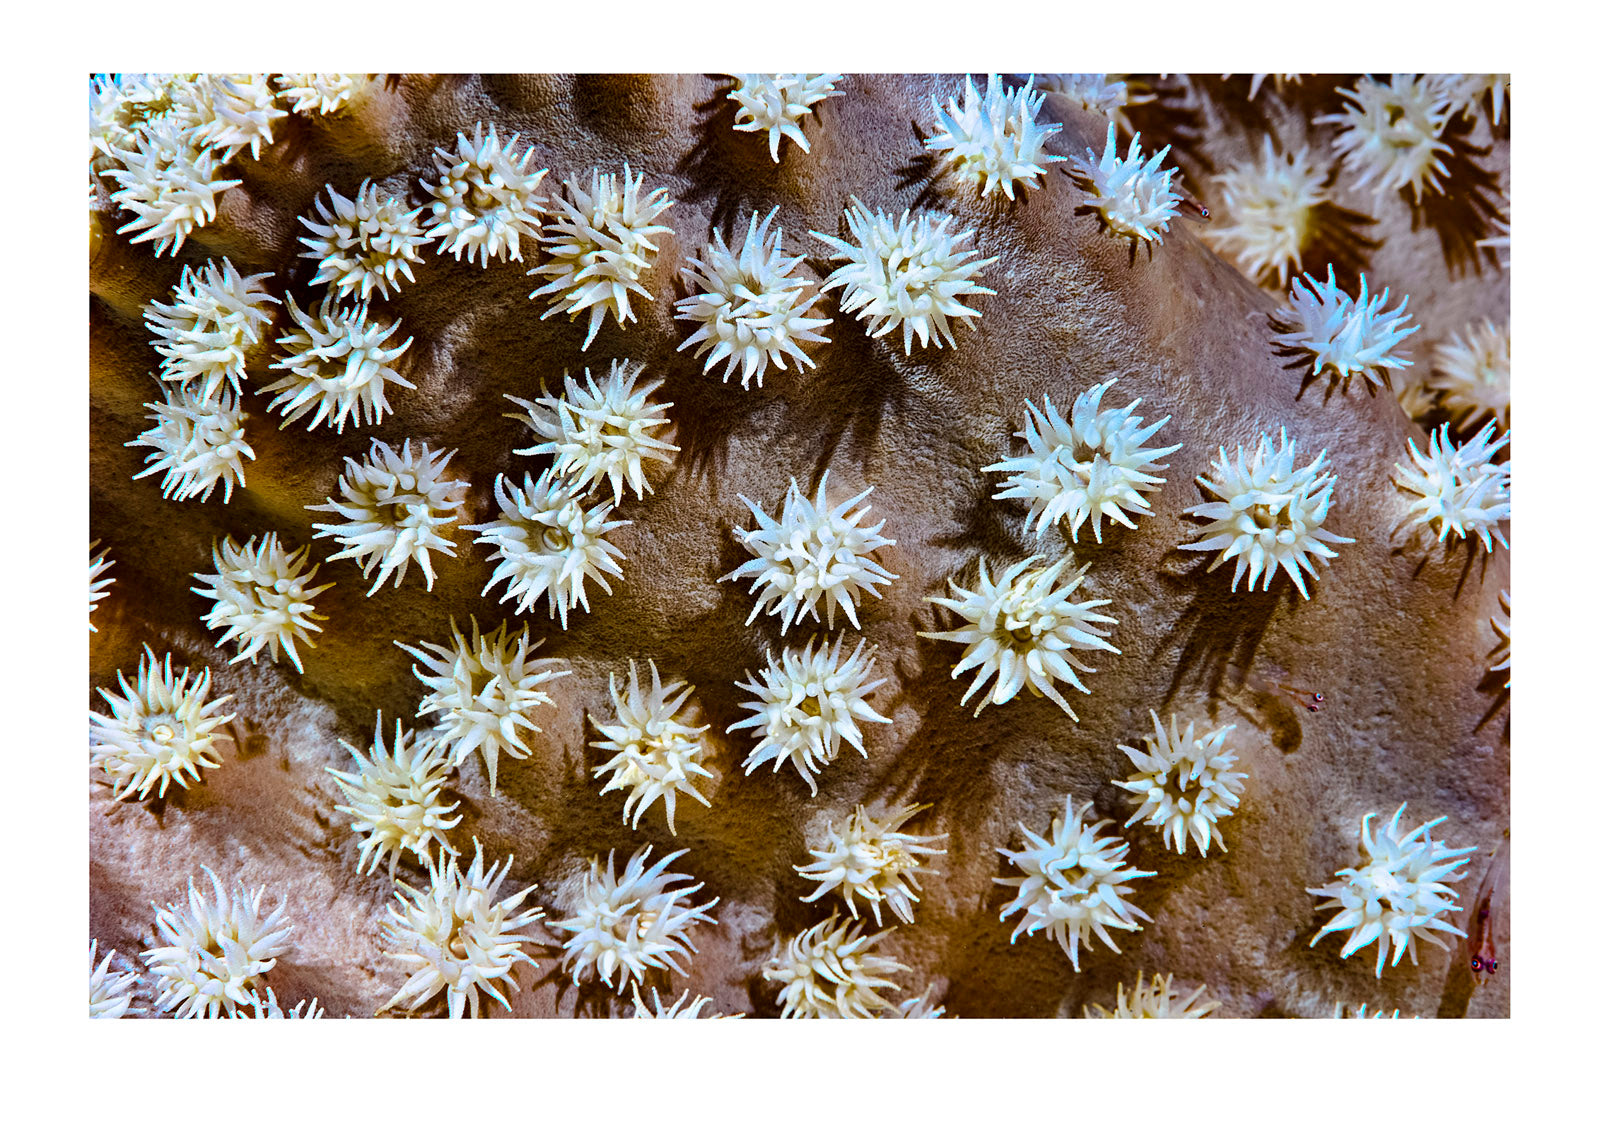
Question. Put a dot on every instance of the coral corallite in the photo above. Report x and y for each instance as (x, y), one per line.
(656, 751)
(393, 797)
(1460, 491)
(363, 244)
(1271, 514)
(485, 201)
(1399, 893)
(1134, 198)
(626, 925)
(1185, 784)
(994, 141)
(1091, 467)
(337, 363)
(906, 274)
(752, 308)
(777, 102)
(216, 321)
(605, 431)
(813, 552)
(872, 858)
(1022, 629)
(456, 936)
(830, 970)
(1072, 883)
(1346, 335)
(211, 957)
(482, 692)
(806, 702)
(548, 543)
(262, 596)
(158, 730)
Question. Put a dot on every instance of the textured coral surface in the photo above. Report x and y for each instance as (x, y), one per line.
(1395, 636)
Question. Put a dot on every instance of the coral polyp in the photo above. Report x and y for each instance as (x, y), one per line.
(1460, 491)
(776, 103)
(393, 797)
(1346, 335)
(158, 731)
(1391, 134)
(994, 141)
(262, 598)
(656, 752)
(1269, 211)
(872, 858)
(216, 321)
(832, 970)
(485, 201)
(197, 443)
(1160, 999)
(338, 364)
(1134, 197)
(211, 956)
(1185, 784)
(363, 244)
(1472, 375)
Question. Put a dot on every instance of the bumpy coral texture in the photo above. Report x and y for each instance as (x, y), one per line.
(1134, 197)
(1185, 784)
(159, 730)
(831, 970)
(394, 798)
(1460, 490)
(485, 201)
(656, 752)
(872, 858)
(1501, 653)
(776, 103)
(212, 956)
(337, 363)
(994, 141)
(262, 596)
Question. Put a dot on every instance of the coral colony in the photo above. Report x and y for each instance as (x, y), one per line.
(644, 531)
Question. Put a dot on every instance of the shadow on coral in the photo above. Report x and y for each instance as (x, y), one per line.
(1461, 214)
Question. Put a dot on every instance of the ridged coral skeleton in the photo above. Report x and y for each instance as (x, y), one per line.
(627, 925)
(1472, 374)
(906, 274)
(872, 858)
(812, 552)
(394, 507)
(602, 432)
(830, 970)
(1390, 134)
(1158, 1001)
(168, 184)
(337, 364)
(1090, 466)
(1073, 883)
(210, 958)
(1399, 893)
(777, 102)
(393, 797)
(363, 243)
(482, 692)
(751, 308)
(1271, 514)
(99, 585)
(599, 247)
(1270, 211)
(198, 443)
(994, 141)
(485, 201)
(548, 543)
(110, 995)
(1461, 491)
(1022, 629)
(656, 752)
(456, 936)
(1185, 785)
(262, 595)
(806, 702)
(1134, 197)
(1346, 335)
(158, 730)
(216, 320)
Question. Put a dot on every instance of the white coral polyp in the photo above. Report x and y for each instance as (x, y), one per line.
(1072, 884)
(1271, 514)
(268, 1009)
(812, 553)
(777, 102)
(1346, 335)
(1101, 93)
(1023, 628)
(1461, 491)
(230, 112)
(110, 995)
(216, 320)
(158, 730)
(1269, 211)
(681, 1010)
(606, 431)
(168, 184)
(1400, 892)
(337, 364)
(1390, 134)
(198, 443)
(599, 247)
(482, 692)
(320, 93)
(262, 596)
(364, 243)
(906, 274)
(872, 858)
(548, 543)
(656, 752)
(624, 926)
(994, 141)
(1185, 784)
(1091, 466)
(751, 308)
(806, 702)
(1472, 374)
(456, 936)
(99, 585)
(485, 201)
(830, 970)
(395, 507)
(211, 956)
(1159, 1000)
(121, 106)
(393, 798)
(1133, 197)
(1465, 94)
